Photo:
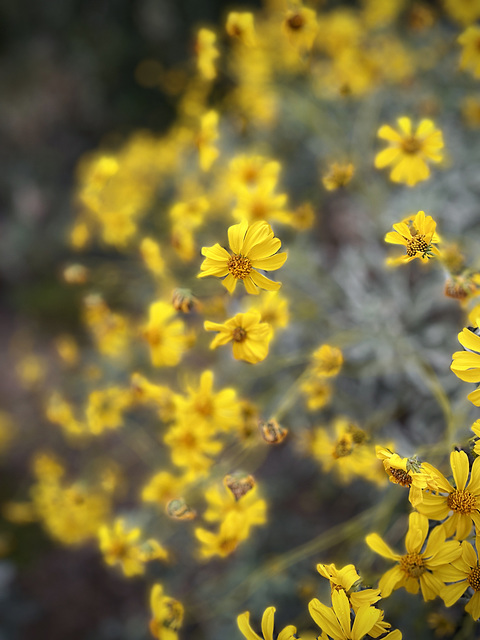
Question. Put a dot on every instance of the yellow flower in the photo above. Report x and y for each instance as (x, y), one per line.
(250, 336)
(242, 27)
(470, 59)
(233, 530)
(466, 364)
(273, 308)
(207, 53)
(165, 335)
(336, 622)
(152, 256)
(243, 621)
(163, 487)
(105, 409)
(253, 247)
(408, 152)
(417, 234)
(407, 472)
(463, 11)
(262, 204)
(250, 172)
(338, 175)
(464, 573)
(167, 614)
(206, 138)
(326, 361)
(301, 27)
(222, 502)
(461, 504)
(119, 546)
(416, 569)
(191, 448)
(346, 579)
(317, 391)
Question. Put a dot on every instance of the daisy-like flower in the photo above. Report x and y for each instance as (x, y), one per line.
(407, 472)
(416, 568)
(253, 246)
(301, 27)
(243, 621)
(335, 621)
(338, 175)
(347, 579)
(470, 41)
(167, 614)
(417, 234)
(249, 335)
(466, 364)
(459, 503)
(408, 152)
(464, 573)
(242, 27)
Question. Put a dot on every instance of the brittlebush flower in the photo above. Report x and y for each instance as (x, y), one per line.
(243, 621)
(417, 234)
(464, 573)
(408, 152)
(249, 335)
(301, 27)
(167, 614)
(207, 53)
(242, 27)
(338, 175)
(406, 472)
(347, 579)
(466, 364)
(461, 504)
(470, 40)
(253, 246)
(416, 568)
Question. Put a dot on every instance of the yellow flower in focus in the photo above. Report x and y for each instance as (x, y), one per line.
(243, 621)
(464, 573)
(418, 235)
(206, 139)
(460, 504)
(253, 247)
(165, 335)
(338, 175)
(207, 53)
(249, 335)
(409, 152)
(336, 621)
(300, 27)
(466, 364)
(167, 614)
(346, 578)
(242, 27)
(416, 569)
(326, 361)
(406, 472)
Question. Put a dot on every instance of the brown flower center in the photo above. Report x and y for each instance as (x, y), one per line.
(343, 448)
(400, 477)
(411, 145)
(462, 501)
(474, 578)
(417, 244)
(239, 334)
(413, 565)
(239, 266)
(296, 21)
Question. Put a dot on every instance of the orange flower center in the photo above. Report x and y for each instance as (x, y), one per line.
(296, 21)
(401, 477)
(343, 448)
(417, 244)
(239, 266)
(411, 145)
(462, 501)
(239, 334)
(413, 565)
(474, 578)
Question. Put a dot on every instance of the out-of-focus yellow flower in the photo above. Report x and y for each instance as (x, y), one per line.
(417, 569)
(161, 396)
(377, 13)
(261, 204)
(470, 58)
(300, 27)
(190, 448)
(338, 175)
(206, 139)
(242, 27)
(165, 335)
(273, 308)
(466, 364)
(252, 172)
(326, 361)
(253, 246)
(31, 369)
(418, 235)
(409, 152)
(152, 256)
(249, 335)
(167, 614)
(163, 487)
(67, 349)
(233, 530)
(61, 412)
(111, 331)
(105, 408)
(318, 392)
(471, 111)
(7, 430)
(207, 53)
(221, 503)
(243, 622)
(463, 11)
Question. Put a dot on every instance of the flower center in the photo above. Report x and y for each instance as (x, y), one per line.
(417, 244)
(413, 565)
(400, 477)
(239, 266)
(462, 501)
(411, 145)
(474, 578)
(343, 448)
(296, 21)
(239, 334)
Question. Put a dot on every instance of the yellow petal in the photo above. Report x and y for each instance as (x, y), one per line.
(267, 623)
(243, 622)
